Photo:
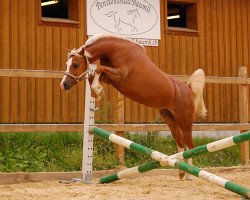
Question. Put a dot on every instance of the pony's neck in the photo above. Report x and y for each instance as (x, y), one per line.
(95, 51)
(105, 47)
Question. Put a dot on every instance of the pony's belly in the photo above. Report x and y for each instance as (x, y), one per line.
(158, 101)
(153, 103)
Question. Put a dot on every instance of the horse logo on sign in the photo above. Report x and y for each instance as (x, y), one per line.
(133, 18)
(127, 18)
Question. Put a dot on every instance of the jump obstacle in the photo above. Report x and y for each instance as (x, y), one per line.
(161, 159)
(211, 147)
(164, 160)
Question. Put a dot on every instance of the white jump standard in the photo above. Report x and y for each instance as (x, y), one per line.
(165, 160)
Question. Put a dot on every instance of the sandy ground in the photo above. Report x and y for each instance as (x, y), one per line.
(158, 185)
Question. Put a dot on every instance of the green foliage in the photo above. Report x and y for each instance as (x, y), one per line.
(40, 152)
(33, 152)
(104, 154)
(105, 113)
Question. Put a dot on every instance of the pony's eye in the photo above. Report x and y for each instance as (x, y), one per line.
(76, 65)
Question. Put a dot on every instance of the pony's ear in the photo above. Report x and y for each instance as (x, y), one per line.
(82, 51)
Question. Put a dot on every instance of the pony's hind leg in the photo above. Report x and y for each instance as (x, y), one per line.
(187, 134)
(185, 123)
(190, 162)
(173, 126)
(176, 132)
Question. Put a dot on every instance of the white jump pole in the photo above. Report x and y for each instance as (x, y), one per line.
(87, 137)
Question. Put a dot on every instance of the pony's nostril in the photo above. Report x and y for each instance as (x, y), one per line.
(66, 86)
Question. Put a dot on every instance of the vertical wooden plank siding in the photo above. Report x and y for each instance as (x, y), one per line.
(227, 89)
(57, 109)
(31, 58)
(221, 60)
(239, 33)
(189, 56)
(176, 54)
(5, 84)
(220, 46)
(215, 64)
(40, 83)
(169, 61)
(14, 90)
(22, 59)
(48, 115)
(182, 56)
(40, 55)
(127, 110)
(245, 35)
(233, 59)
(195, 53)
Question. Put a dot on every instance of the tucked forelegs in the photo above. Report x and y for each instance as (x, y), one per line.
(107, 75)
(96, 86)
(113, 74)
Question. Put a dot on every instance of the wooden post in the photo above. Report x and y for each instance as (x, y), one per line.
(120, 119)
(243, 113)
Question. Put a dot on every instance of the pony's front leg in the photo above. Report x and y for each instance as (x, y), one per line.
(111, 74)
(108, 74)
(96, 86)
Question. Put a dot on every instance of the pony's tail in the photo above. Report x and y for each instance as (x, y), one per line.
(196, 83)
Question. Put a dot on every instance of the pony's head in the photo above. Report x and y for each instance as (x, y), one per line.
(76, 69)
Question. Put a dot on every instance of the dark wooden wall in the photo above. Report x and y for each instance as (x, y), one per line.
(220, 46)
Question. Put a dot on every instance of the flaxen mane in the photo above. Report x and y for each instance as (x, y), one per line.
(94, 39)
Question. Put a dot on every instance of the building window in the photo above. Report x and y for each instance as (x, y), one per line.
(55, 9)
(58, 12)
(182, 15)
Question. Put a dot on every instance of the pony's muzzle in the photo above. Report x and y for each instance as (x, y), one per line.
(66, 85)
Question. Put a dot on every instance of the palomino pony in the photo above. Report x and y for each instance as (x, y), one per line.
(125, 65)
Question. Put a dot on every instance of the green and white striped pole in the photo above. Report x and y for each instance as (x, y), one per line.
(165, 160)
(211, 147)
(130, 172)
(214, 146)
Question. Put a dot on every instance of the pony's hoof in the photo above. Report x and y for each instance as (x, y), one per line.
(181, 175)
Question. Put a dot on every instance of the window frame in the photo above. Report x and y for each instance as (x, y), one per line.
(192, 24)
(73, 16)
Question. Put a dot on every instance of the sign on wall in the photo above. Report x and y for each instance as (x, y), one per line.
(137, 19)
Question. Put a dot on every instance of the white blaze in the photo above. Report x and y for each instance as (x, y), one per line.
(68, 63)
